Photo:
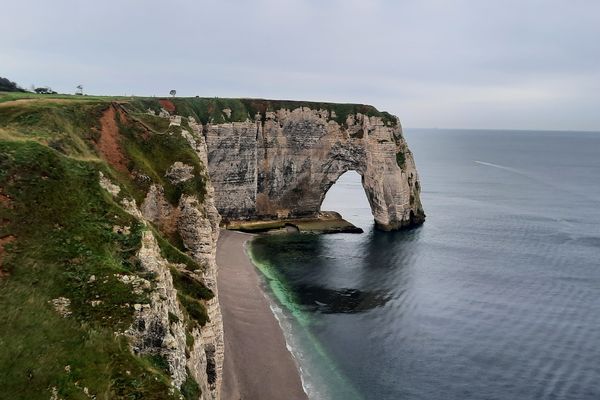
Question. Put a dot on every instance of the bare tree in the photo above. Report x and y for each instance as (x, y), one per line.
(173, 92)
(79, 90)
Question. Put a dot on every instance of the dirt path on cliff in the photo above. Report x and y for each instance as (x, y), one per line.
(258, 365)
(108, 143)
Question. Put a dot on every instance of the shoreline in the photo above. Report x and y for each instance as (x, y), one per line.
(258, 363)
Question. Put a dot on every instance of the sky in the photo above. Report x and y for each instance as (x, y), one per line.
(510, 64)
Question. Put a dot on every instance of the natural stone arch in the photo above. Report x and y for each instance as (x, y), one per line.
(335, 198)
(282, 165)
(330, 186)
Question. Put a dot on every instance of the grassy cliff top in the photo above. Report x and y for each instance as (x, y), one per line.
(210, 109)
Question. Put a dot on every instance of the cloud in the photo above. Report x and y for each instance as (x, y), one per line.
(459, 63)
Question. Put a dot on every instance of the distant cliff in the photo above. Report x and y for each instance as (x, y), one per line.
(273, 159)
(283, 164)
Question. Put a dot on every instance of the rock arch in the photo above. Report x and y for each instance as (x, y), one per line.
(282, 164)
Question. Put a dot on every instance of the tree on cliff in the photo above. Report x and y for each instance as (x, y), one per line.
(7, 85)
(173, 92)
(44, 90)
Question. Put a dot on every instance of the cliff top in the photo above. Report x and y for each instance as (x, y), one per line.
(212, 109)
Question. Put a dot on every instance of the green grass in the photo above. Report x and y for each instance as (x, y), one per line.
(190, 389)
(157, 124)
(10, 96)
(206, 109)
(174, 255)
(66, 246)
(190, 286)
(152, 153)
(63, 221)
(401, 159)
(66, 127)
(194, 308)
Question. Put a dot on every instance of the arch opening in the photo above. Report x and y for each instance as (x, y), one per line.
(347, 196)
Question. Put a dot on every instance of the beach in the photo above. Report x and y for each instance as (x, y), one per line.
(257, 364)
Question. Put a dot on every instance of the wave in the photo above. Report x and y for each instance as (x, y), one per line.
(538, 180)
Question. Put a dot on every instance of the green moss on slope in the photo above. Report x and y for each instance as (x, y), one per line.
(66, 127)
(400, 159)
(190, 389)
(65, 246)
(206, 109)
(151, 153)
(63, 236)
(190, 286)
(195, 309)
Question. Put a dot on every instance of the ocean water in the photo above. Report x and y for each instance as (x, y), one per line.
(496, 296)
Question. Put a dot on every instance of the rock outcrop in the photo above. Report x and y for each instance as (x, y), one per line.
(158, 328)
(281, 165)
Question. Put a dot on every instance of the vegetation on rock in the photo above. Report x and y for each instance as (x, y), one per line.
(206, 109)
(400, 159)
(65, 303)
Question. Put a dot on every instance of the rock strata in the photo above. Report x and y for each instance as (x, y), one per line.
(282, 164)
(158, 329)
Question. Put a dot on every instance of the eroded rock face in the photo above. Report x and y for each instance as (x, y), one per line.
(157, 209)
(180, 172)
(199, 233)
(198, 225)
(283, 163)
(158, 328)
(153, 332)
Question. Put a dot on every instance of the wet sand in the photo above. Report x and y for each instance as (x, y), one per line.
(258, 365)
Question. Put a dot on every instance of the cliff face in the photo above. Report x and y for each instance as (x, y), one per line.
(109, 219)
(196, 222)
(283, 163)
(124, 289)
(193, 353)
(161, 326)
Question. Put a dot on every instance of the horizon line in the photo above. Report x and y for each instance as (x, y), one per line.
(502, 129)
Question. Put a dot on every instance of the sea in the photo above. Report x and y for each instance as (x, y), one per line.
(496, 296)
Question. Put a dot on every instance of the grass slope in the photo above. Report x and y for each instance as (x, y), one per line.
(64, 242)
(62, 221)
(205, 109)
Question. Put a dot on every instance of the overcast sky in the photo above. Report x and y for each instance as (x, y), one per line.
(521, 64)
